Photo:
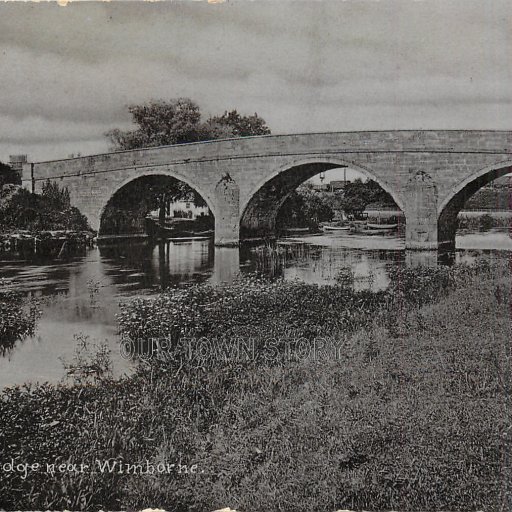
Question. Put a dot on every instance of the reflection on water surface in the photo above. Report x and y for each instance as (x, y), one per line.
(82, 295)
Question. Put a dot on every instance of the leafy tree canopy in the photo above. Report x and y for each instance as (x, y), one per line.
(178, 121)
(8, 175)
(241, 126)
(358, 194)
(55, 197)
(304, 207)
(49, 210)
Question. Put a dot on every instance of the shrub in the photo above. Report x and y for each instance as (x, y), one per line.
(486, 222)
(307, 310)
(18, 318)
(35, 212)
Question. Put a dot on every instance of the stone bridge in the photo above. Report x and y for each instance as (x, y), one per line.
(244, 181)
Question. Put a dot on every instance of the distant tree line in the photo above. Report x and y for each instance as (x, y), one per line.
(305, 207)
(358, 194)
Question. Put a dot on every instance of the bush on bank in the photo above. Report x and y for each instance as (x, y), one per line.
(416, 421)
(50, 210)
(18, 318)
(214, 312)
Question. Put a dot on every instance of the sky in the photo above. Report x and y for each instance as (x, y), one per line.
(68, 73)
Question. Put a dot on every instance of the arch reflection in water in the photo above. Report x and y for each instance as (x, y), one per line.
(323, 263)
(182, 261)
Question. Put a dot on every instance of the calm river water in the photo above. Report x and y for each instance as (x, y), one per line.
(82, 296)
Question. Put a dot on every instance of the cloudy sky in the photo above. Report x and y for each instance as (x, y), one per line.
(67, 73)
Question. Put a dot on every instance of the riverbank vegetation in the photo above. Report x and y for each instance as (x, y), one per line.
(41, 225)
(50, 210)
(484, 221)
(18, 318)
(410, 413)
(305, 207)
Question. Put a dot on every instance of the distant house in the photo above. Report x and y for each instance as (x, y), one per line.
(186, 209)
(321, 187)
(183, 209)
(332, 186)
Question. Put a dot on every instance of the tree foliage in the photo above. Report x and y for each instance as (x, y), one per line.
(56, 198)
(50, 210)
(178, 121)
(242, 126)
(304, 207)
(358, 194)
(8, 175)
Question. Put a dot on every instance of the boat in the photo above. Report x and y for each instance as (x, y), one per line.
(381, 226)
(187, 238)
(178, 232)
(335, 228)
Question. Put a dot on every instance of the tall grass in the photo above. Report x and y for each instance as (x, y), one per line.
(412, 414)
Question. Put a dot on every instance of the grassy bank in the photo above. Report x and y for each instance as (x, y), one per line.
(410, 414)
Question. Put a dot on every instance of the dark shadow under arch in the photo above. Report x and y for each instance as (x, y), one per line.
(259, 214)
(126, 210)
(451, 207)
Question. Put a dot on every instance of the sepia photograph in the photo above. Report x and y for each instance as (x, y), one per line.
(255, 256)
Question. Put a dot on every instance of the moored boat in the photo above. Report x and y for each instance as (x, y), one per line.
(381, 226)
(335, 228)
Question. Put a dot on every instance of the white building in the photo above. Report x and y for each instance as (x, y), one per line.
(185, 209)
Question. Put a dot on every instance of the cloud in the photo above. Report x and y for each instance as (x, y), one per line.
(66, 75)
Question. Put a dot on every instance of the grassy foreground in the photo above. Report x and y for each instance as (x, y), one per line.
(412, 414)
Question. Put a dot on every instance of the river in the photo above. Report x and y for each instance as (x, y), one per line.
(82, 296)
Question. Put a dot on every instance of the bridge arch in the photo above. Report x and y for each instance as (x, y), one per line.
(453, 203)
(261, 206)
(148, 173)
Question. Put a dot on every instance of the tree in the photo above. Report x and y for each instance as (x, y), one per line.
(36, 212)
(242, 126)
(160, 123)
(304, 207)
(178, 121)
(358, 194)
(8, 175)
(56, 198)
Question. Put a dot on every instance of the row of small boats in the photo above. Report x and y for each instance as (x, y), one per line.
(367, 226)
